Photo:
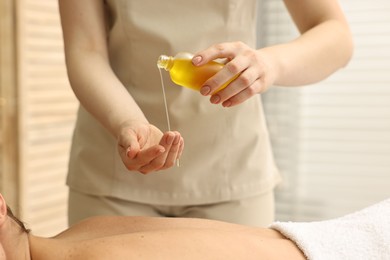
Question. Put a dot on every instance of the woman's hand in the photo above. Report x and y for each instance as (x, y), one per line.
(324, 45)
(144, 148)
(253, 67)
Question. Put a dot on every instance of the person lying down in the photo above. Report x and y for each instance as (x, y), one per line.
(361, 235)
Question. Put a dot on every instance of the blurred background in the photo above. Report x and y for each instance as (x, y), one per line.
(331, 140)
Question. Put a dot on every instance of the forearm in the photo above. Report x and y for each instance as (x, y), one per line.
(313, 56)
(100, 92)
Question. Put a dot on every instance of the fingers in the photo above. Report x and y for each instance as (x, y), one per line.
(244, 73)
(143, 157)
(173, 144)
(243, 95)
(235, 66)
(157, 157)
(216, 51)
(144, 148)
(128, 144)
(244, 87)
(172, 154)
(181, 148)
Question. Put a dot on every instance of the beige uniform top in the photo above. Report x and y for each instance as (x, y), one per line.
(227, 150)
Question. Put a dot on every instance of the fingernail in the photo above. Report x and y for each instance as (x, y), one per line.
(215, 99)
(196, 60)
(227, 103)
(170, 139)
(205, 90)
(177, 140)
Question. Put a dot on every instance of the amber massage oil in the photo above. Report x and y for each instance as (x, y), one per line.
(185, 74)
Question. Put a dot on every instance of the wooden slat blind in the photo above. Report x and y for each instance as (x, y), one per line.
(48, 113)
(8, 106)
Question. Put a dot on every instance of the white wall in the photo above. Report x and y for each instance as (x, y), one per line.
(332, 139)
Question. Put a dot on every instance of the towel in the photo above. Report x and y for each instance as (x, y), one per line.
(364, 235)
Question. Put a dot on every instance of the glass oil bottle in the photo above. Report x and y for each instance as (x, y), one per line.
(185, 74)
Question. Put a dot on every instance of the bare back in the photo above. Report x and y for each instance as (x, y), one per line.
(165, 238)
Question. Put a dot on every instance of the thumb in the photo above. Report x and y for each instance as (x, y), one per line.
(128, 145)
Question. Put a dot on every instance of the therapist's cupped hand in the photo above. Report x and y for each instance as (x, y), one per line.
(252, 67)
(144, 148)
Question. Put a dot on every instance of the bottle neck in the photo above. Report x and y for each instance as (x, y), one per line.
(165, 62)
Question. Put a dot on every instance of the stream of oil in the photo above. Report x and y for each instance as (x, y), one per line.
(166, 107)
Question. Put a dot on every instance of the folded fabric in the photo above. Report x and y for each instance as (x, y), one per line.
(364, 235)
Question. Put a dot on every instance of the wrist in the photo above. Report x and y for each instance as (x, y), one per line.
(129, 124)
(269, 66)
